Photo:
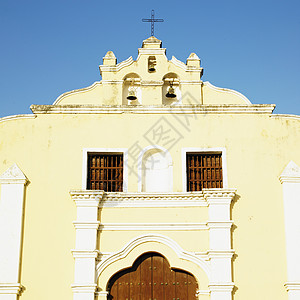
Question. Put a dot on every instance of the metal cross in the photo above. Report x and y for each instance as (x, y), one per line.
(152, 20)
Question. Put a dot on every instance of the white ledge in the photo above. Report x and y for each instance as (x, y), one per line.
(220, 253)
(221, 286)
(84, 288)
(11, 288)
(86, 225)
(152, 109)
(85, 253)
(292, 286)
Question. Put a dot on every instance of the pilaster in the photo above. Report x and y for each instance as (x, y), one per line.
(220, 253)
(13, 183)
(290, 180)
(86, 253)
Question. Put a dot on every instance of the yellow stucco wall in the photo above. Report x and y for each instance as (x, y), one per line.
(49, 150)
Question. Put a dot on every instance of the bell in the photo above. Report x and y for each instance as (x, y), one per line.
(151, 67)
(131, 92)
(131, 95)
(171, 93)
(151, 63)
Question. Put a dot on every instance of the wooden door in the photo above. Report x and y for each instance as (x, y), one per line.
(151, 278)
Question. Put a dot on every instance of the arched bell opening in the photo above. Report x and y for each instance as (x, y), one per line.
(131, 94)
(151, 64)
(171, 94)
(151, 277)
(156, 170)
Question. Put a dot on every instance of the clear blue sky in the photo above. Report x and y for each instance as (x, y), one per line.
(50, 47)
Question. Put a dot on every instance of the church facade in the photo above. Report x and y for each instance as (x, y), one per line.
(150, 184)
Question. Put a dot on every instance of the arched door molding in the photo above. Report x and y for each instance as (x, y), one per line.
(178, 258)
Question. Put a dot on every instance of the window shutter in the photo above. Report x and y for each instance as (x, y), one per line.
(204, 170)
(105, 172)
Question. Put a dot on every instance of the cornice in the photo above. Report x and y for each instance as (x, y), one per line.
(151, 51)
(86, 198)
(154, 109)
(141, 199)
(292, 286)
(284, 179)
(220, 253)
(86, 225)
(84, 288)
(221, 286)
(11, 288)
(115, 199)
(219, 196)
(17, 117)
(101, 293)
(220, 224)
(85, 253)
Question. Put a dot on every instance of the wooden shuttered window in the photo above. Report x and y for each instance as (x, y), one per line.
(105, 172)
(204, 170)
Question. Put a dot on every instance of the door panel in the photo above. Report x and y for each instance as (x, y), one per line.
(158, 277)
(151, 278)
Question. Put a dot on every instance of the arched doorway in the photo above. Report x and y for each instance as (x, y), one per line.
(151, 278)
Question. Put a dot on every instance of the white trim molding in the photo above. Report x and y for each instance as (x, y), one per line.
(86, 151)
(150, 238)
(10, 290)
(292, 286)
(13, 182)
(85, 252)
(290, 180)
(220, 253)
(176, 199)
(221, 150)
(214, 266)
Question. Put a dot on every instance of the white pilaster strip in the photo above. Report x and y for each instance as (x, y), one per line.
(290, 180)
(220, 253)
(86, 252)
(13, 183)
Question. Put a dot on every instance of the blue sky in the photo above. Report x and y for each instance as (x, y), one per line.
(50, 47)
